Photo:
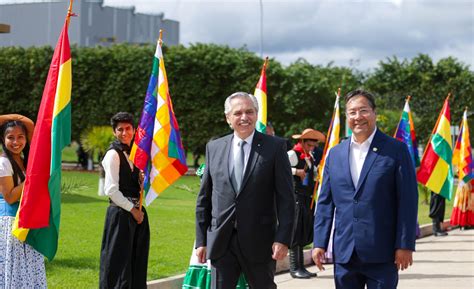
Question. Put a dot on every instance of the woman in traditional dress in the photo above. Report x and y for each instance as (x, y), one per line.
(21, 266)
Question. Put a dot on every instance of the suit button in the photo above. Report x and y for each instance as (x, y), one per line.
(356, 219)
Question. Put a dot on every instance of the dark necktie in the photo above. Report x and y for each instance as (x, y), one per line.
(239, 164)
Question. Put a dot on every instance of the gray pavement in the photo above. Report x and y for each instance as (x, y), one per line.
(439, 262)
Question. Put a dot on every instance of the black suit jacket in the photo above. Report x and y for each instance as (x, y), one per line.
(262, 211)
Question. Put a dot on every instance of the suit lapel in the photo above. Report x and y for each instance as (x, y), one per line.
(225, 158)
(370, 158)
(253, 157)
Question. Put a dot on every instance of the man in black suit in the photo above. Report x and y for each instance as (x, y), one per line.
(245, 208)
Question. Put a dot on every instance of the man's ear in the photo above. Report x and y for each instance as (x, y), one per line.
(228, 121)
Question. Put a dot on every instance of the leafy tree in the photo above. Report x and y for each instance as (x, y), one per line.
(428, 83)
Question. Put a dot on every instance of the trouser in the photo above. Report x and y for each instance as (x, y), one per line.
(124, 252)
(226, 270)
(437, 207)
(356, 274)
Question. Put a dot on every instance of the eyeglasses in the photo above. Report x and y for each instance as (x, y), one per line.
(362, 111)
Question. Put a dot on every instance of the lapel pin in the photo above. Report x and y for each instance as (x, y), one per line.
(258, 145)
(375, 149)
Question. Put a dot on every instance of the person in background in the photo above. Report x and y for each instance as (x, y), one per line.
(437, 209)
(304, 170)
(369, 188)
(21, 266)
(126, 238)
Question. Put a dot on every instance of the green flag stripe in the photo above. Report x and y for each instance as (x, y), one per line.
(442, 148)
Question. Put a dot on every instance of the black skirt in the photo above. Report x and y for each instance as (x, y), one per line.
(124, 252)
(304, 218)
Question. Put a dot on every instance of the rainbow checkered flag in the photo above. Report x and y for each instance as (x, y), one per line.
(406, 133)
(157, 149)
(331, 141)
(463, 214)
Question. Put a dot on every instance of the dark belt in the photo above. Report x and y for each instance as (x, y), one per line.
(135, 202)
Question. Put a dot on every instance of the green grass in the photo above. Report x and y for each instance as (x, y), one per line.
(76, 264)
(69, 154)
(171, 224)
(424, 206)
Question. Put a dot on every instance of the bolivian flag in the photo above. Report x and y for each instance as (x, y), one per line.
(436, 171)
(37, 220)
(261, 95)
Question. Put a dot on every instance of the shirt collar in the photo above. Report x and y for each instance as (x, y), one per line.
(248, 140)
(367, 142)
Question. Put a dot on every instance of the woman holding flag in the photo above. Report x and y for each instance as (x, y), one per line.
(21, 266)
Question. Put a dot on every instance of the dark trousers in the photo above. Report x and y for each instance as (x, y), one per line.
(124, 252)
(226, 270)
(355, 274)
(437, 207)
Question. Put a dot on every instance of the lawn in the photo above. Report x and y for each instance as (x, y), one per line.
(76, 264)
(171, 223)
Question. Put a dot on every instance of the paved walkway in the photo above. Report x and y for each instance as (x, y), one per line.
(439, 262)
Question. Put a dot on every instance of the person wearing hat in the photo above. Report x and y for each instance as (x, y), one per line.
(303, 168)
(21, 266)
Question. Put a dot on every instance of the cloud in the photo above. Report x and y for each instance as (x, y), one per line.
(322, 31)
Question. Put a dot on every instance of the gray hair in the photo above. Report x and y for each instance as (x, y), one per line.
(228, 107)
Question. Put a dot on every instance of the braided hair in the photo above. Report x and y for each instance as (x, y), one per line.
(17, 172)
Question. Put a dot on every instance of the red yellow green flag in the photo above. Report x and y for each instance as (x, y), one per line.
(436, 171)
(261, 95)
(37, 219)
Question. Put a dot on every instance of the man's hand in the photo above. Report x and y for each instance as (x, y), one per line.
(403, 258)
(201, 254)
(300, 173)
(137, 215)
(318, 257)
(279, 251)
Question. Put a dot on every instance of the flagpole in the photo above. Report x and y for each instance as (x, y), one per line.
(326, 145)
(69, 12)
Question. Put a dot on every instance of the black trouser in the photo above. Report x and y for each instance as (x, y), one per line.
(226, 270)
(124, 252)
(437, 207)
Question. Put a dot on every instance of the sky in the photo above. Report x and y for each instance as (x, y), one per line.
(357, 33)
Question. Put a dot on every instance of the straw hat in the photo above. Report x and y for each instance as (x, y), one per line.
(29, 124)
(310, 133)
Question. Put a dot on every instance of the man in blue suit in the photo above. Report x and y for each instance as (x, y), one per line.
(370, 188)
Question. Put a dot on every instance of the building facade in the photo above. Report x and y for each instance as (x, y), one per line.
(39, 23)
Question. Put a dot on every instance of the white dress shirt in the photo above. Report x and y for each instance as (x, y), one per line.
(293, 157)
(111, 164)
(357, 154)
(234, 151)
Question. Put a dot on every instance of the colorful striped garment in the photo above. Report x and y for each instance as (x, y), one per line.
(463, 206)
(436, 165)
(157, 149)
(37, 220)
(261, 95)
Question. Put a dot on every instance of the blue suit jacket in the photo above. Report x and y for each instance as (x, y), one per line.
(376, 216)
